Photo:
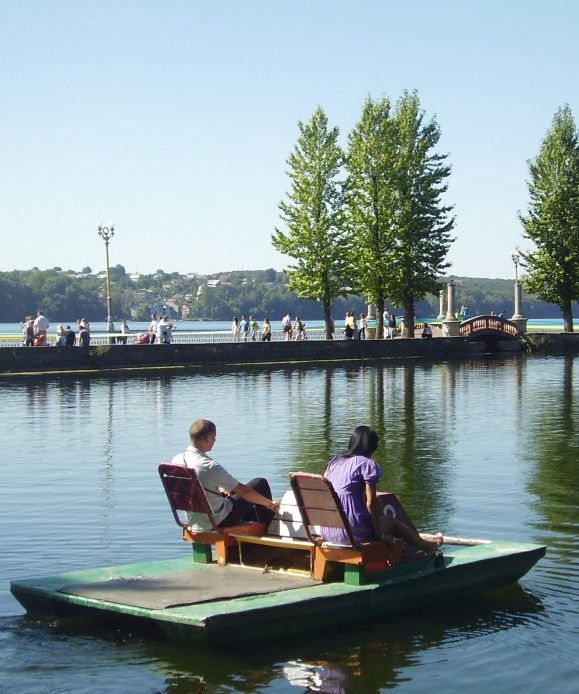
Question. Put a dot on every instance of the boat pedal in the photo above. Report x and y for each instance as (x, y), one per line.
(438, 559)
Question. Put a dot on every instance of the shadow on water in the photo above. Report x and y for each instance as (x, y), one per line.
(366, 657)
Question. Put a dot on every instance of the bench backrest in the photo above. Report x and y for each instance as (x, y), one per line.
(319, 505)
(185, 493)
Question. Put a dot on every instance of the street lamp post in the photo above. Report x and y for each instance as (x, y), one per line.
(518, 317)
(107, 233)
(516, 258)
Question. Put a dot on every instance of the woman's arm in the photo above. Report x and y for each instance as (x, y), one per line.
(373, 506)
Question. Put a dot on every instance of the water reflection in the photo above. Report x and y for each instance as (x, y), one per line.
(552, 448)
(368, 658)
(486, 447)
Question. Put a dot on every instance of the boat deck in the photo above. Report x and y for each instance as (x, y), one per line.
(182, 583)
(216, 606)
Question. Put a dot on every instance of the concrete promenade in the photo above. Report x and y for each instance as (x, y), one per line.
(103, 359)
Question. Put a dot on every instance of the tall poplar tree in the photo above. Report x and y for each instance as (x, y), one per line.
(552, 222)
(396, 184)
(423, 226)
(370, 200)
(316, 235)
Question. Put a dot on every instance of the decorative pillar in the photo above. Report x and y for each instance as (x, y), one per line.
(518, 317)
(450, 325)
(441, 305)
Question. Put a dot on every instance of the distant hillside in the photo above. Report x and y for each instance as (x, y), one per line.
(68, 295)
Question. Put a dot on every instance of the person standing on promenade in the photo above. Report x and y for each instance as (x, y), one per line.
(286, 325)
(362, 327)
(69, 336)
(83, 335)
(60, 337)
(28, 331)
(83, 324)
(253, 328)
(231, 501)
(349, 325)
(235, 327)
(164, 331)
(299, 329)
(385, 322)
(125, 330)
(152, 331)
(244, 328)
(266, 331)
(41, 325)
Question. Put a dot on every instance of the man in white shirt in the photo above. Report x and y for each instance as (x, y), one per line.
(41, 324)
(231, 501)
(153, 329)
(286, 324)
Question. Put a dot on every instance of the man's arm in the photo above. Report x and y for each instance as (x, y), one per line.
(254, 497)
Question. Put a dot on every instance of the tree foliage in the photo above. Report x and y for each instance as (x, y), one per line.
(395, 188)
(370, 200)
(260, 292)
(552, 221)
(316, 236)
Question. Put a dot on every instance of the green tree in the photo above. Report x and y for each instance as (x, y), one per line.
(552, 222)
(370, 200)
(396, 183)
(423, 226)
(316, 235)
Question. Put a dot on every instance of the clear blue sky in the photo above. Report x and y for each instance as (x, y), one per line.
(174, 118)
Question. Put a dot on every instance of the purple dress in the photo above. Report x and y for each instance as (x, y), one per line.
(349, 477)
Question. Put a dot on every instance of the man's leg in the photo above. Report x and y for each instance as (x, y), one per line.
(245, 511)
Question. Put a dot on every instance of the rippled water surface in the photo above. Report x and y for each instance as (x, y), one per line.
(478, 448)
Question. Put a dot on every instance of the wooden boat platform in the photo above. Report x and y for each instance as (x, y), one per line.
(217, 606)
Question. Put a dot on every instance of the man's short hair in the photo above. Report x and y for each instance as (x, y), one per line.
(201, 428)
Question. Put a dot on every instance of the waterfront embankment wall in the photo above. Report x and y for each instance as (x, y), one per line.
(22, 361)
(30, 360)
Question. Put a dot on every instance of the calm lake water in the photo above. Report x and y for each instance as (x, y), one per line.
(483, 448)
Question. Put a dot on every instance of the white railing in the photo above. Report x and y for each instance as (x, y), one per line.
(179, 337)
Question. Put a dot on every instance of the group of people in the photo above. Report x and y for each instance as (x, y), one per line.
(160, 330)
(248, 330)
(35, 330)
(355, 329)
(389, 323)
(353, 475)
(293, 329)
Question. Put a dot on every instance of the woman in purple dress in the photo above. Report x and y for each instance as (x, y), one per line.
(354, 476)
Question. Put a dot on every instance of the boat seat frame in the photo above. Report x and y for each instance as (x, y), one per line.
(186, 495)
(320, 506)
(317, 505)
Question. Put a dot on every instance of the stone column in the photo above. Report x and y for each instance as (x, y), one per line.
(450, 325)
(441, 305)
(518, 317)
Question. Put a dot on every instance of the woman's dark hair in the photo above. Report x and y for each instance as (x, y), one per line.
(364, 441)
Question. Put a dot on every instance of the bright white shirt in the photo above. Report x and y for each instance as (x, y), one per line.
(41, 323)
(213, 477)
